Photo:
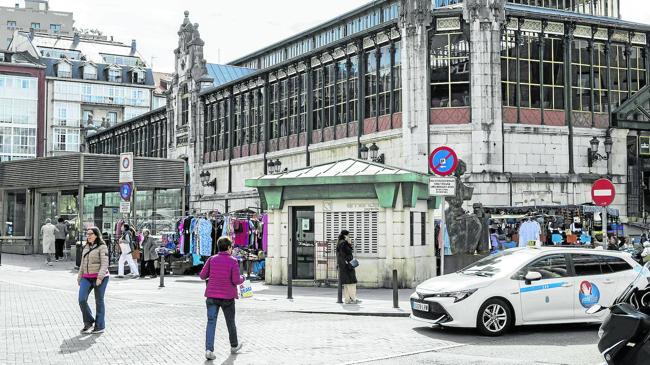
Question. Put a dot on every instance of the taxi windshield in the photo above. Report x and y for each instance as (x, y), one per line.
(503, 262)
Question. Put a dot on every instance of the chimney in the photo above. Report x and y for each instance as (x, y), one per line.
(76, 38)
(17, 6)
(133, 47)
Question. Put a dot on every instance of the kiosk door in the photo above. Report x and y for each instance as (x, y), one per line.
(302, 238)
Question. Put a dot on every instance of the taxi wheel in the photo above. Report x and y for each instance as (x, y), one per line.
(494, 318)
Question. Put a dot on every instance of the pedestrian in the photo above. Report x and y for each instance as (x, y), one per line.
(347, 273)
(222, 276)
(149, 253)
(612, 244)
(48, 234)
(494, 240)
(93, 275)
(126, 244)
(59, 238)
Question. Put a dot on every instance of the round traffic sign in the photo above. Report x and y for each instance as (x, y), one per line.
(443, 161)
(125, 191)
(126, 162)
(603, 192)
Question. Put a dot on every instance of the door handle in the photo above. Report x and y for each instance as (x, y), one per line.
(567, 285)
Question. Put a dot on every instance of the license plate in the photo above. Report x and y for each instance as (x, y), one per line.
(424, 307)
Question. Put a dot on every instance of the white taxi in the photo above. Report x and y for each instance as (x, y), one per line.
(525, 286)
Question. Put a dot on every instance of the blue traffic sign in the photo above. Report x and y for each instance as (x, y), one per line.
(443, 161)
(125, 191)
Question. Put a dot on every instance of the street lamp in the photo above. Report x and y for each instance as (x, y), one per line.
(371, 153)
(205, 179)
(271, 167)
(592, 151)
(364, 152)
(278, 166)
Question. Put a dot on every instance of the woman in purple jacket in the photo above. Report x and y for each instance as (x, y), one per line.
(222, 274)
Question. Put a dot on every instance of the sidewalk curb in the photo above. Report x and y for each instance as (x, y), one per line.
(367, 314)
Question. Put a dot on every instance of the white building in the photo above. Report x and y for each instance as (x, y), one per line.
(91, 84)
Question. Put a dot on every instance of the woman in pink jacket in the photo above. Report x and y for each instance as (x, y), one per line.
(222, 274)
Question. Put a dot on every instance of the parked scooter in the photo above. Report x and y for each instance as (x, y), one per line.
(625, 332)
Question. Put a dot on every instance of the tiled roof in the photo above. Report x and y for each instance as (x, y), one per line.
(77, 71)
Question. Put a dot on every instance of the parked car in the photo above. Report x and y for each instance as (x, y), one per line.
(525, 286)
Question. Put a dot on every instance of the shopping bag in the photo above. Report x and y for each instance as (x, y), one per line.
(245, 289)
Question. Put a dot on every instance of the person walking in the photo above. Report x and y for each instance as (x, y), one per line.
(93, 275)
(59, 238)
(126, 244)
(48, 234)
(347, 273)
(149, 253)
(222, 274)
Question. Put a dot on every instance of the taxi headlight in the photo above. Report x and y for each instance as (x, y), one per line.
(457, 295)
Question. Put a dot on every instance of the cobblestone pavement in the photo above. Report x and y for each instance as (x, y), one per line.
(40, 323)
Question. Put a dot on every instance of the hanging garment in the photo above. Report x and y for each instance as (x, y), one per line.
(187, 226)
(224, 231)
(205, 237)
(265, 233)
(181, 236)
(241, 235)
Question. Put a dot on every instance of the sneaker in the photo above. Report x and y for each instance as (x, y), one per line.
(86, 328)
(210, 355)
(57, 260)
(119, 276)
(97, 331)
(50, 263)
(357, 301)
(234, 350)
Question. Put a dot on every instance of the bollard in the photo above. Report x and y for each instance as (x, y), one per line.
(162, 272)
(395, 293)
(289, 283)
(339, 291)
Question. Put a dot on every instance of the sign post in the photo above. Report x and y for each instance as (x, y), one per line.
(603, 193)
(443, 162)
(126, 182)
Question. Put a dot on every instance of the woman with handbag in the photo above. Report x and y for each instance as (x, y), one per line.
(347, 264)
(127, 244)
(93, 275)
(222, 274)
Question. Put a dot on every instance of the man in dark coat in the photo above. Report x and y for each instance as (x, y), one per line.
(347, 273)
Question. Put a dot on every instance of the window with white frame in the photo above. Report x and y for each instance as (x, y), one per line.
(64, 69)
(112, 118)
(114, 74)
(363, 227)
(66, 114)
(66, 139)
(90, 72)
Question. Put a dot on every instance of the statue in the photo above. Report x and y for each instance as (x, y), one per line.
(464, 229)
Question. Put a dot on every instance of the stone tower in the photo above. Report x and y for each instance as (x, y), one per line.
(190, 76)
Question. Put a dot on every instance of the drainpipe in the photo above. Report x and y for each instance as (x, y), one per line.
(509, 175)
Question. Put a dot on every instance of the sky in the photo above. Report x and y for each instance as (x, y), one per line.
(230, 29)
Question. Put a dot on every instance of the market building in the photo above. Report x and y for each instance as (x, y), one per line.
(539, 99)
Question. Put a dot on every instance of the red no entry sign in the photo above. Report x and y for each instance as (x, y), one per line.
(603, 192)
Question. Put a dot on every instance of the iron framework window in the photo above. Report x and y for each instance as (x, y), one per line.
(384, 84)
(397, 78)
(185, 105)
(274, 109)
(371, 84)
(329, 79)
(317, 102)
(449, 70)
(353, 89)
(341, 88)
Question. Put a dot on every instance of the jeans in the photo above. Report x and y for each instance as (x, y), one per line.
(228, 307)
(85, 287)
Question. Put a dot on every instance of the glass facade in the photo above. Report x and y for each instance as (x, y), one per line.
(608, 8)
(449, 70)
(18, 117)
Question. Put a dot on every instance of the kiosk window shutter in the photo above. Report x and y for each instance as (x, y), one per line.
(363, 227)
